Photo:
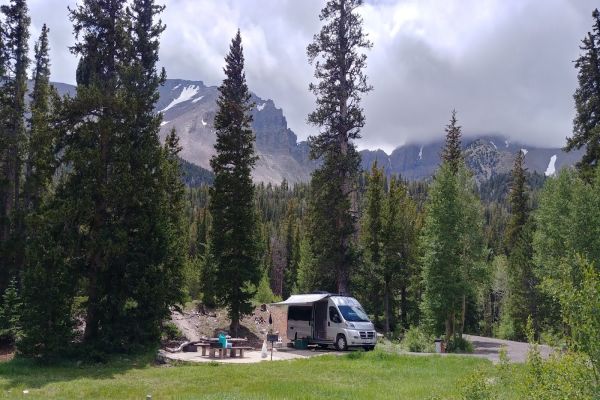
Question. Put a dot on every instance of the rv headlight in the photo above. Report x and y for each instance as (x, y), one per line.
(349, 325)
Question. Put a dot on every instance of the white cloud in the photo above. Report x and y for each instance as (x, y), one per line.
(505, 65)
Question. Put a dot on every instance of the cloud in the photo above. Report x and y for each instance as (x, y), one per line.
(506, 66)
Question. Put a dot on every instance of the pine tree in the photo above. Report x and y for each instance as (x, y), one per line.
(15, 34)
(586, 125)
(10, 313)
(452, 153)
(41, 162)
(370, 278)
(399, 249)
(521, 301)
(123, 188)
(291, 249)
(48, 282)
(452, 244)
(339, 67)
(309, 278)
(519, 202)
(234, 229)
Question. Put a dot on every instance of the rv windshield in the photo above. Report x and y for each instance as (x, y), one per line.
(353, 314)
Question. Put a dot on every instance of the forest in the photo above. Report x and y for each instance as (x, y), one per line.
(103, 228)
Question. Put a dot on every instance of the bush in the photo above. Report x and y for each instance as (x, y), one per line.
(477, 387)
(459, 344)
(562, 376)
(505, 328)
(170, 331)
(415, 340)
(264, 294)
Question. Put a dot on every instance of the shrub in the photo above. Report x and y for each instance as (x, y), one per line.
(459, 344)
(417, 341)
(477, 387)
(170, 331)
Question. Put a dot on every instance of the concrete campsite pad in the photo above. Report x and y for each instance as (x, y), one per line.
(250, 357)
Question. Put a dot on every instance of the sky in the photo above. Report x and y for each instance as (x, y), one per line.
(506, 66)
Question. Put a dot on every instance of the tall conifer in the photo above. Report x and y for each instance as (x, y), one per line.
(339, 70)
(452, 153)
(15, 34)
(586, 125)
(521, 300)
(234, 229)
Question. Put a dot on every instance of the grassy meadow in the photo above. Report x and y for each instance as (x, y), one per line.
(375, 375)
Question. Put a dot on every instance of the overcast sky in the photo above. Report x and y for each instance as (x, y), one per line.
(505, 65)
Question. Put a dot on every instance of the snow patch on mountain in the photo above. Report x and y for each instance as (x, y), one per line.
(203, 122)
(524, 151)
(176, 87)
(506, 143)
(421, 153)
(187, 93)
(260, 107)
(551, 166)
(197, 99)
(493, 144)
(164, 123)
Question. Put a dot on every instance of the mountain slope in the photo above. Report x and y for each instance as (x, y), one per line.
(190, 107)
(486, 156)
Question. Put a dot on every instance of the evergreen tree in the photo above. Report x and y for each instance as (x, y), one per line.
(15, 34)
(452, 153)
(452, 249)
(518, 201)
(399, 250)
(308, 272)
(41, 161)
(48, 281)
(291, 250)
(586, 125)
(234, 229)
(10, 313)
(123, 189)
(339, 67)
(370, 276)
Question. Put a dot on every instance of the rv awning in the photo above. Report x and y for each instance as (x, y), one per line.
(301, 299)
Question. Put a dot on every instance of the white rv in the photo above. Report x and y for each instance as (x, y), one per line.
(328, 319)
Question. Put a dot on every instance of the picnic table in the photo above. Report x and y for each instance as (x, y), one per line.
(213, 346)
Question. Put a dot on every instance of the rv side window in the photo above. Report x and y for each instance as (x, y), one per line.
(334, 316)
(296, 313)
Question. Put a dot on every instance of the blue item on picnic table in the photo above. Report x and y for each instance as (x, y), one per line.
(222, 341)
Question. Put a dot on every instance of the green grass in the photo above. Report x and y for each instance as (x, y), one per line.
(375, 375)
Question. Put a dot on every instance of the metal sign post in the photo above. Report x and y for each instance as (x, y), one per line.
(272, 338)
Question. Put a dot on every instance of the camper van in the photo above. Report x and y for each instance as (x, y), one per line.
(329, 319)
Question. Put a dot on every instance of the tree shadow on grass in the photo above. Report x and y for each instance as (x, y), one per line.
(32, 374)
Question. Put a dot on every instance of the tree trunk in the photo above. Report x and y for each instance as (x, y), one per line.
(448, 327)
(403, 316)
(463, 314)
(234, 327)
(386, 305)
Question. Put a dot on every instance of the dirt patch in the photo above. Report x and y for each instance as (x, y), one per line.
(7, 353)
(199, 321)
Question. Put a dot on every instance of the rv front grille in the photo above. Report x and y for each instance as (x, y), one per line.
(367, 335)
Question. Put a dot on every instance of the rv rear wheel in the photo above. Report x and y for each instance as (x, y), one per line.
(340, 343)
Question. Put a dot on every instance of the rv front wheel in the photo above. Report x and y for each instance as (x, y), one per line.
(340, 343)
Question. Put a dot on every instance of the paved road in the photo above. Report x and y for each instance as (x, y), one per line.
(489, 348)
